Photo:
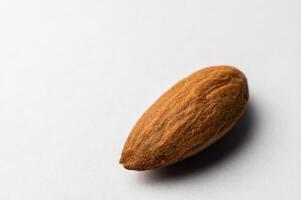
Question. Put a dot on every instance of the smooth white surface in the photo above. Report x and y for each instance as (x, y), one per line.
(76, 75)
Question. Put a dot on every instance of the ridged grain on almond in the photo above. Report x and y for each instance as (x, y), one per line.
(190, 116)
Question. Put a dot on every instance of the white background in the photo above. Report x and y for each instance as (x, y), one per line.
(75, 75)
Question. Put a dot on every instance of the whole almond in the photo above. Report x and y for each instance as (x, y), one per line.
(190, 116)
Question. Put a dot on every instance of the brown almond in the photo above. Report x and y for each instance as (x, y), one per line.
(190, 116)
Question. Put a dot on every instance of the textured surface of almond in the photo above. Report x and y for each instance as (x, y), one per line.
(190, 116)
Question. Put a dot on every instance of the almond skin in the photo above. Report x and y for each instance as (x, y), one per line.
(190, 116)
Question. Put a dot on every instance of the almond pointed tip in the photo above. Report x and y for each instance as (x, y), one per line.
(130, 164)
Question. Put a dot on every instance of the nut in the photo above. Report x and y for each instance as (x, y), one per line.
(190, 116)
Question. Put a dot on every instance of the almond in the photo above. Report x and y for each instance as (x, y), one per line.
(190, 116)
